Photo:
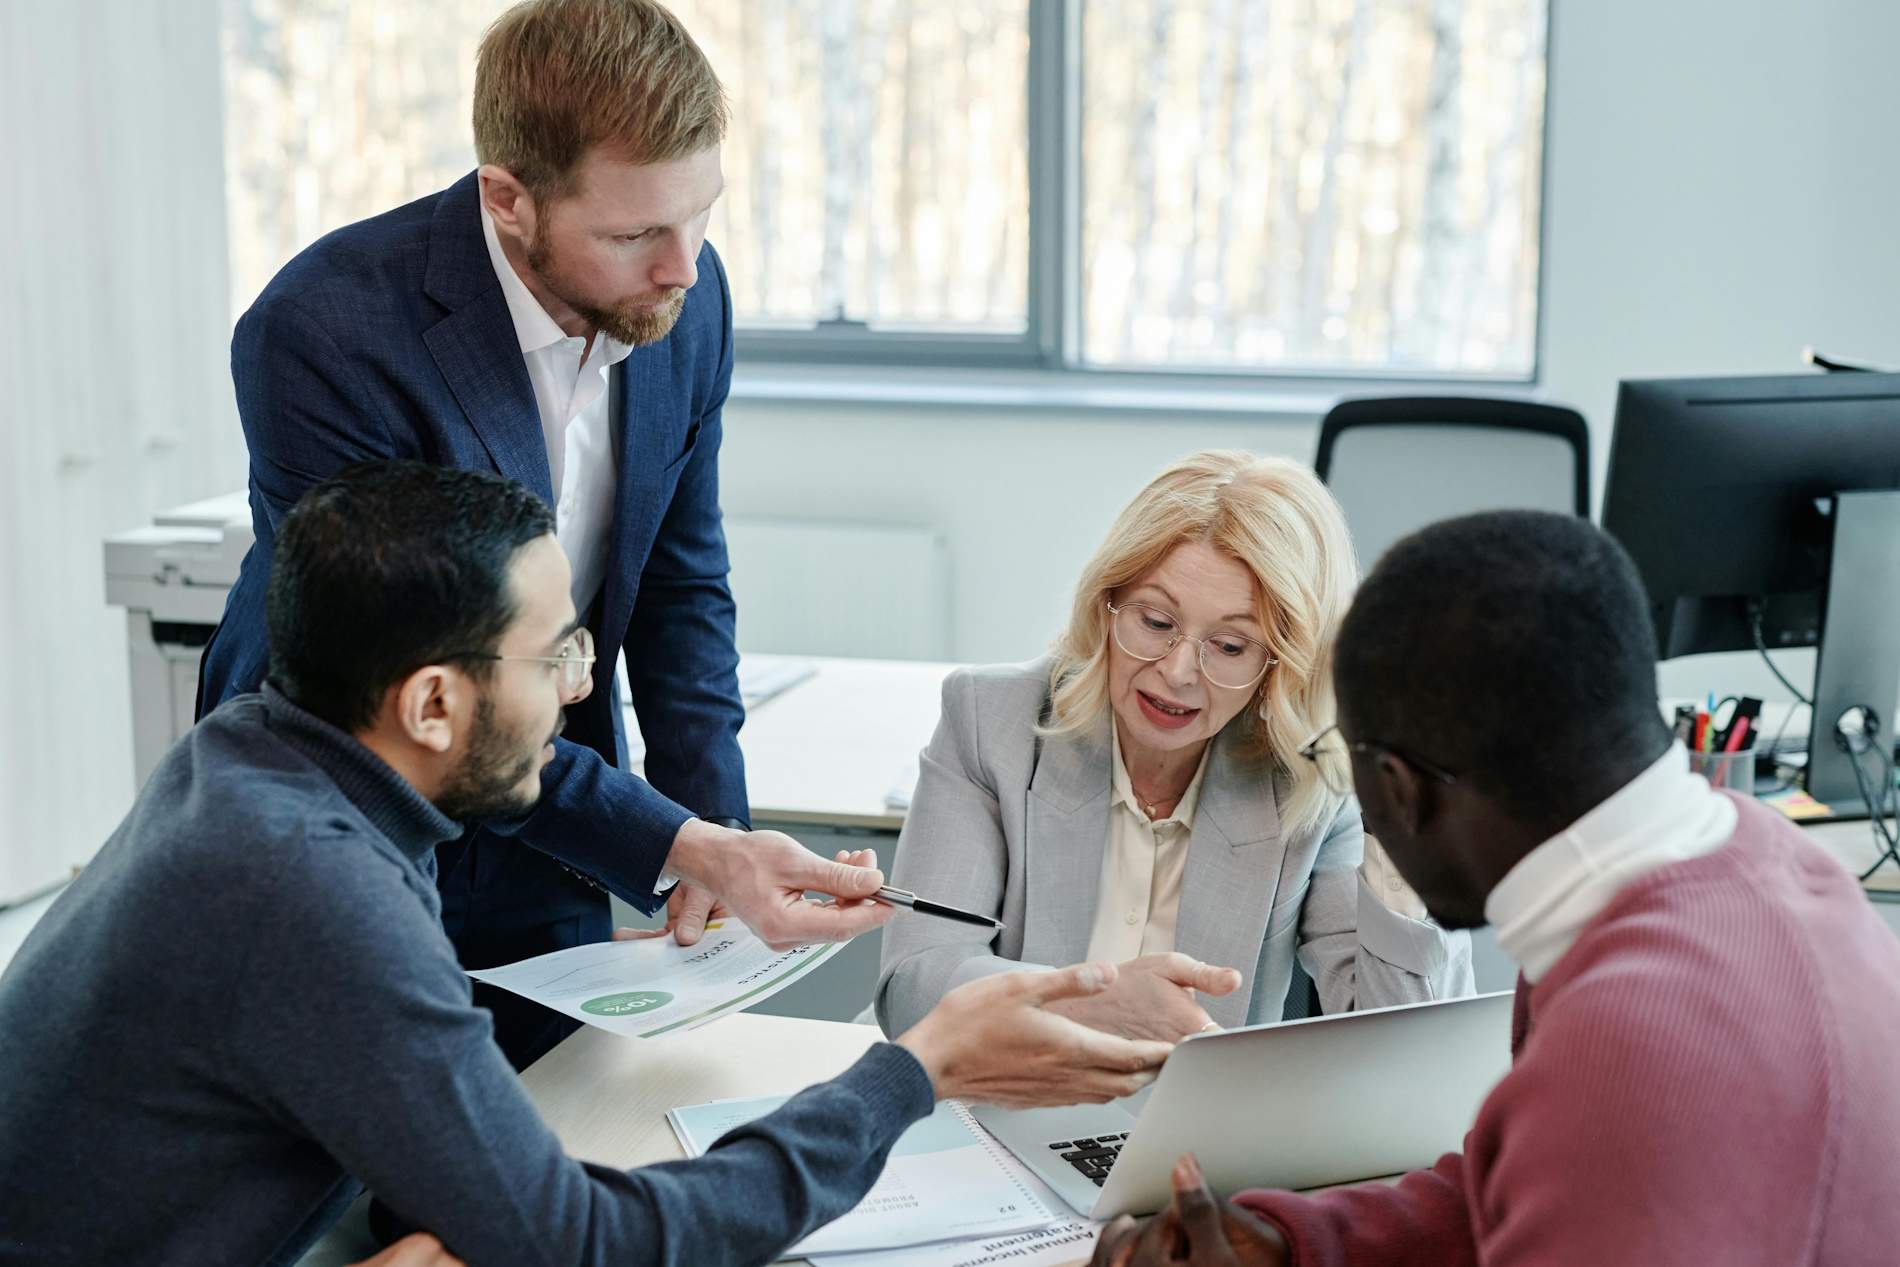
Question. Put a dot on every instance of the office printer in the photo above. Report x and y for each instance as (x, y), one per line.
(171, 578)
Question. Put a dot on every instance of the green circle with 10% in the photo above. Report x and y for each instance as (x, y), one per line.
(631, 1003)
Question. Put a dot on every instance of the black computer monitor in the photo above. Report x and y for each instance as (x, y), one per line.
(1728, 493)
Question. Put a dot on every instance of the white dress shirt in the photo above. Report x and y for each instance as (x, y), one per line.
(1138, 897)
(1663, 815)
(570, 392)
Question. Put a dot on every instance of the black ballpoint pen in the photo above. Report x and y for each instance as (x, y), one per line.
(905, 898)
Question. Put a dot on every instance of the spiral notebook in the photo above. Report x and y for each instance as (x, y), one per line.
(947, 1179)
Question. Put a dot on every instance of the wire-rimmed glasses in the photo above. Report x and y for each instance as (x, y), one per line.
(1331, 753)
(574, 662)
(1229, 660)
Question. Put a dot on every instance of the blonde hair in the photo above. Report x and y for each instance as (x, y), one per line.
(555, 78)
(1274, 517)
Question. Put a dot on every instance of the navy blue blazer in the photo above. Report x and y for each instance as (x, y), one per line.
(391, 338)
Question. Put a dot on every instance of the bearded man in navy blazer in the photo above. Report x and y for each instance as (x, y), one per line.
(556, 316)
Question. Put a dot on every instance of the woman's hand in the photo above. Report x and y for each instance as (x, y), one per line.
(1153, 997)
(996, 1040)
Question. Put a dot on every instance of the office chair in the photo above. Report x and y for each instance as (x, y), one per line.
(1399, 463)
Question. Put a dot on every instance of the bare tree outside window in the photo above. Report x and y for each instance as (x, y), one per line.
(877, 162)
(335, 110)
(1312, 184)
(1267, 185)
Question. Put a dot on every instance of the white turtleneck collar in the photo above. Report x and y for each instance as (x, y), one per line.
(1663, 815)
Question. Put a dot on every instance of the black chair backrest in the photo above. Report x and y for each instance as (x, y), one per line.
(1460, 411)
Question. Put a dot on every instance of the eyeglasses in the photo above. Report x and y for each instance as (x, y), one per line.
(1147, 633)
(1331, 752)
(574, 661)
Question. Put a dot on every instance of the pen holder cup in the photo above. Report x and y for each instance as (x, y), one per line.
(1734, 771)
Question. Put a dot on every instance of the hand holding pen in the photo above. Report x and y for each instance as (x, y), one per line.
(906, 900)
(910, 901)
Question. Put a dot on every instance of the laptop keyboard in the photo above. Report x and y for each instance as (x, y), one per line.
(1092, 1157)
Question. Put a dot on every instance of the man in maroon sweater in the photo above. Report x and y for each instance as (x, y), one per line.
(1707, 1043)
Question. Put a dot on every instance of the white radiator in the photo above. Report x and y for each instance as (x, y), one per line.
(824, 587)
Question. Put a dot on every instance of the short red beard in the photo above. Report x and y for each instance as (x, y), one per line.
(633, 322)
(636, 325)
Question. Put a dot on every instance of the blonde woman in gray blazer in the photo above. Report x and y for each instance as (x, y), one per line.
(1140, 794)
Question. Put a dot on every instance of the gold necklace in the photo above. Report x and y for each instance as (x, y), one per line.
(1152, 808)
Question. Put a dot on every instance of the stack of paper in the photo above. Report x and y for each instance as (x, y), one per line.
(764, 677)
(948, 1194)
(1069, 1243)
(761, 678)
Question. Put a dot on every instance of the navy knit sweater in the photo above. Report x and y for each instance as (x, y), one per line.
(245, 1008)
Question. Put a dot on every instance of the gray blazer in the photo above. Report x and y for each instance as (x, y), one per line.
(1012, 824)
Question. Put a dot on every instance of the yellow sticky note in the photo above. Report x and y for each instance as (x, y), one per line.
(1798, 805)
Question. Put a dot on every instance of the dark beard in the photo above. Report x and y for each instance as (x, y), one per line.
(484, 786)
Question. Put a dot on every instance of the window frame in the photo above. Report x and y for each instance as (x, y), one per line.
(1055, 28)
(1049, 347)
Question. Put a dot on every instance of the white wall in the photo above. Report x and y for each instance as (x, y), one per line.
(1721, 191)
(1023, 499)
(114, 397)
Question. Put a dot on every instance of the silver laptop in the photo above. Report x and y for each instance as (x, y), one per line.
(1296, 1104)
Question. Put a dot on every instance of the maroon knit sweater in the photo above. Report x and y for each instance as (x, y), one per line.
(1709, 1076)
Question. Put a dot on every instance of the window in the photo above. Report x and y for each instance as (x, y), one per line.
(336, 110)
(877, 173)
(1332, 185)
(1237, 186)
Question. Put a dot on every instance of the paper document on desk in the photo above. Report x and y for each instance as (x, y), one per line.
(947, 1179)
(656, 986)
(765, 677)
(761, 678)
(1069, 1243)
(904, 787)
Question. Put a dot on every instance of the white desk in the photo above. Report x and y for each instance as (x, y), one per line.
(824, 752)
(1852, 843)
(606, 1097)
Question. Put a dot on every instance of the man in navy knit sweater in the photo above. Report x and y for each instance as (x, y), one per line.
(245, 1009)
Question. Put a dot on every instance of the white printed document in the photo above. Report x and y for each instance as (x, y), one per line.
(1070, 1243)
(947, 1179)
(656, 986)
